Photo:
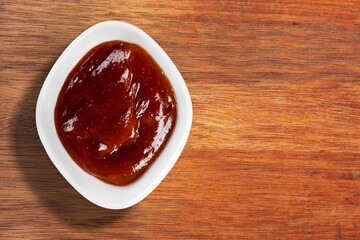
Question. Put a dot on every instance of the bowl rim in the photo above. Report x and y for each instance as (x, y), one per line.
(96, 191)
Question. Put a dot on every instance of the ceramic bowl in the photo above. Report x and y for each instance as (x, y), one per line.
(93, 189)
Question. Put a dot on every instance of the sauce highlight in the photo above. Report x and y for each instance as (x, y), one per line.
(115, 112)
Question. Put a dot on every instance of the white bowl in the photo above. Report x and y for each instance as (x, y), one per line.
(96, 191)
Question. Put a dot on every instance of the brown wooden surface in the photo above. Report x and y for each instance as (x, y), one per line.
(274, 151)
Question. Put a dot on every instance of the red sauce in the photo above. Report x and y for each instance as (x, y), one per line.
(115, 112)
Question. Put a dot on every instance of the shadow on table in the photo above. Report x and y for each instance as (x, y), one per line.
(42, 176)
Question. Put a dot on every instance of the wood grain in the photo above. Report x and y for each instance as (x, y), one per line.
(274, 151)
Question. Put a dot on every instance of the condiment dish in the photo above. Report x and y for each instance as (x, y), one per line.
(93, 189)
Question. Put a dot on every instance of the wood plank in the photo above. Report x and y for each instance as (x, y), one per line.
(274, 150)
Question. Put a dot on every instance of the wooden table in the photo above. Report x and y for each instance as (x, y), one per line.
(274, 151)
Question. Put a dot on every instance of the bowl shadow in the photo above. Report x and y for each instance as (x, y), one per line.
(41, 175)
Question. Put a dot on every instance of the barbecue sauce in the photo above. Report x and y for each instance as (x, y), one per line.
(115, 112)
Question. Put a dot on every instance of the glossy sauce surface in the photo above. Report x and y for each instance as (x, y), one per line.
(115, 112)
